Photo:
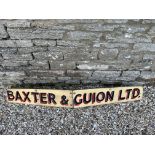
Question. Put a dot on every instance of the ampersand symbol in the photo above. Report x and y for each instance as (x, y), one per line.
(64, 100)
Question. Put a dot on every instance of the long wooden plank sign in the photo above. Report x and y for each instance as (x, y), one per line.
(74, 98)
(100, 96)
(47, 97)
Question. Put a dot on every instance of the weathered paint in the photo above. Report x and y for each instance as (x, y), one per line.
(74, 98)
(46, 97)
(100, 96)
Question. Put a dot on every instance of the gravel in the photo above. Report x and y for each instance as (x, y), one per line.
(123, 119)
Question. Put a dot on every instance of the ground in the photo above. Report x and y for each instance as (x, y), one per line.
(125, 118)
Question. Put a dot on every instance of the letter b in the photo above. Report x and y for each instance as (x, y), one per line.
(10, 95)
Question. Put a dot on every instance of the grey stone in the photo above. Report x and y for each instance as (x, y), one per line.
(115, 45)
(142, 66)
(76, 73)
(73, 81)
(63, 79)
(108, 54)
(44, 42)
(14, 63)
(8, 50)
(114, 21)
(3, 33)
(16, 43)
(90, 81)
(86, 65)
(138, 28)
(147, 75)
(145, 47)
(128, 38)
(48, 73)
(18, 23)
(105, 74)
(79, 56)
(12, 81)
(149, 57)
(73, 43)
(126, 79)
(1, 59)
(66, 49)
(153, 66)
(16, 68)
(38, 65)
(63, 27)
(78, 21)
(23, 43)
(134, 56)
(52, 24)
(152, 30)
(148, 21)
(98, 27)
(80, 35)
(43, 23)
(79, 78)
(32, 49)
(54, 65)
(34, 33)
(12, 75)
(48, 55)
(17, 57)
(40, 80)
(118, 64)
(7, 43)
(131, 74)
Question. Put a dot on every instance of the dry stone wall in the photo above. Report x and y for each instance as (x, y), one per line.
(76, 51)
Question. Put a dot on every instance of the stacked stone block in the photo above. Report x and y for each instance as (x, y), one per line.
(76, 51)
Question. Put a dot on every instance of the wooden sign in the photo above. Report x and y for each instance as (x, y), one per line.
(74, 98)
(47, 97)
(100, 96)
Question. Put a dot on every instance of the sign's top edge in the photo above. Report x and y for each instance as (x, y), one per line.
(110, 88)
(36, 89)
(74, 89)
